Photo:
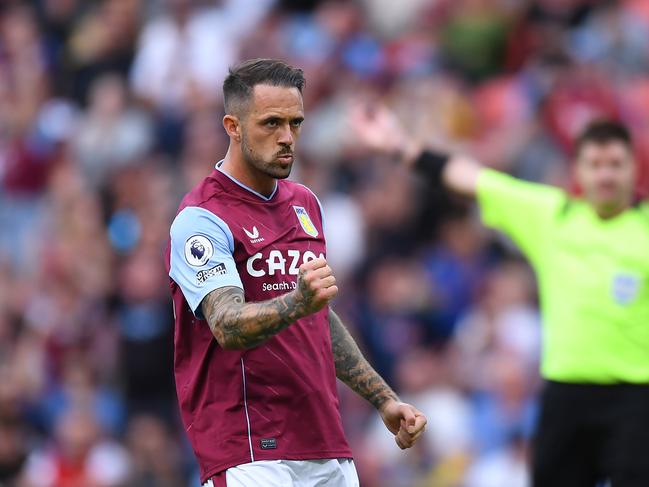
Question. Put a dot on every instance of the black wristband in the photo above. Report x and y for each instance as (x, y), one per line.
(431, 165)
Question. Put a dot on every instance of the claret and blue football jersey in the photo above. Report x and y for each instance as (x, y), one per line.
(274, 401)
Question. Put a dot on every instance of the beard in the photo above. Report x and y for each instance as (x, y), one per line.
(270, 168)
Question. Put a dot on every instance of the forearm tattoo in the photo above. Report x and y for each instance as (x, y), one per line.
(240, 325)
(353, 369)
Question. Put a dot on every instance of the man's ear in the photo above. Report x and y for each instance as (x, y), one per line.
(232, 127)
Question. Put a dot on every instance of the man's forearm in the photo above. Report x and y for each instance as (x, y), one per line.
(461, 175)
(239, 325)
(353, 369)
(455, 172)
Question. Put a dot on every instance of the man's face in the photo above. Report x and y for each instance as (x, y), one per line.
(606, 174)
(270, 129)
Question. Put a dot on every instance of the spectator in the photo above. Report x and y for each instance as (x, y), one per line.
(113, 134)
(157, 460)
(78, 457)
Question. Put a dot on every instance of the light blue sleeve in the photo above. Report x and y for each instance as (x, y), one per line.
(202, 259)
(322, 216)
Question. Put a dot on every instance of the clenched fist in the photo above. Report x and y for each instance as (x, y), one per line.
(316, 285)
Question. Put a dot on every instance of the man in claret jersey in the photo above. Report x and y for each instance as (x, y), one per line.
(257, 346)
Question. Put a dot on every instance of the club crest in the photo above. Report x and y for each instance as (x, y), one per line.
(305, 221)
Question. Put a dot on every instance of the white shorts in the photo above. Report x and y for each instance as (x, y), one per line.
(292, 473)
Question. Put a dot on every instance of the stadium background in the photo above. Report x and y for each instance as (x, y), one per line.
(110, 110)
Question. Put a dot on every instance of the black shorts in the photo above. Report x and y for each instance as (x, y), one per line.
(591, 433)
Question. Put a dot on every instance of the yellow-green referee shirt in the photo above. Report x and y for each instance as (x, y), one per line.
(593, 278)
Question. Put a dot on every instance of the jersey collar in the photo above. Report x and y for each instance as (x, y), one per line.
(247, 188)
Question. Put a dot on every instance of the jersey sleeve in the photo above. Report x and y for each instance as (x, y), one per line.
(520, 209)
(315, 197)
(202, 259)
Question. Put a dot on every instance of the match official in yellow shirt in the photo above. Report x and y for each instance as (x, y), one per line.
(591, 258)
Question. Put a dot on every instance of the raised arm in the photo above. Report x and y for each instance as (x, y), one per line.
(381, 131)
(403, 420)
(239, 325)
(522, 210)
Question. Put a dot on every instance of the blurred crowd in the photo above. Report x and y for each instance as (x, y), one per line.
(110, 110)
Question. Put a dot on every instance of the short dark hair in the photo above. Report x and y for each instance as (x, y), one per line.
(242, 78)
(602, 132)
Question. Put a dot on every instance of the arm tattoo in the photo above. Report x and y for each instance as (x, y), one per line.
(353, 369)
(239, 325)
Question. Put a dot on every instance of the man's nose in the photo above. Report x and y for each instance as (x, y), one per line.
(607, 174)
(285, 136)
